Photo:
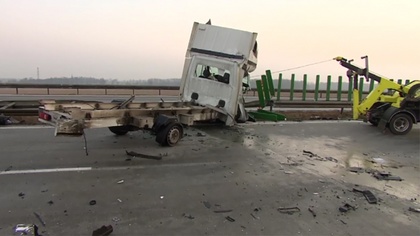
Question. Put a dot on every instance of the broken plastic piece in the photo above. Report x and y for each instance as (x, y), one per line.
(370, 197)
(39, 218)
(356, 169)
(386, 176)
(135, 154)
(230, 219)
(417, 210)
(27, 229)
(120, 182)
(103, 231)
(288, 210)
(346, 207)
(188, 216)
(312, 211)
(222, 211)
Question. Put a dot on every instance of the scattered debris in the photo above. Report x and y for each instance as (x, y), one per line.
(135, 154)
(385, 176)
(188, 216)
(309, 153)
(207, 204)
(8, 168)
(27, 229)
(370, 197)
(119, 200)
(230, 219)
(222, 211)
(331, 159)
(288, 210)
(39, 218)
(5, 120)
(417, 210)
(116, 219)
(103, 231)
(378, 160)
(254, 216)
(120, 182)
(346, 207)
(21, 195)
(199, 134)
(342, 221)
(356, 169)
(161, 197)
(288, 172)
(92, 202)
(312, 211)
(50, 202)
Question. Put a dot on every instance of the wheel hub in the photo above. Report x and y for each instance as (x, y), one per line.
(401, 124)
(173, 135)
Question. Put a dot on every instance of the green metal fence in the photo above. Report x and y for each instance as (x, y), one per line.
(333, 89)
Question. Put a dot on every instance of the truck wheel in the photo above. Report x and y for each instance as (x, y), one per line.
(119, 130)
(170, 135)
(400, 124)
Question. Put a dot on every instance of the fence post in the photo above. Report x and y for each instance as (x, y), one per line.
(292, 87)
(339, 87)
(106, 91)
(371, 85)
(316, 88)
(48, 91)
(17, 90)
(305, 80)
(328, 87)
(350, 90)
(260, 93)
(270, 82)
(279, 86)
(265, 88)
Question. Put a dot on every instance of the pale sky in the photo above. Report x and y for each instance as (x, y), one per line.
(136, 39)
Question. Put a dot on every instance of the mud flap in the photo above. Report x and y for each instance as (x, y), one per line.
(387, 116)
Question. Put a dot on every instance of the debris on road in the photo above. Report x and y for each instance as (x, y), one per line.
(50, 202)
(309, 153)
(5, 120)
(331, 159)
(103, 231)
(27, 229)
(162, 197)
(188, 216)
(21, 195)
(120, 182)
(116, 219)
(230, 219)
(119, 200)
(207, 204)
(346, 207)
(385, 176)
(39, 218)
(199, 134)
(8, 168)
(312, 211)
(356, 169)
(145, 156)
(223, 211)
(288, 210)
(92, 202)
(370, 197)
(417, 210)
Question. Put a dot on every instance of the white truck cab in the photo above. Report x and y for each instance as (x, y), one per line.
(216, 62)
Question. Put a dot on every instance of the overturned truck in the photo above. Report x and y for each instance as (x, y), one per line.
(217, 61)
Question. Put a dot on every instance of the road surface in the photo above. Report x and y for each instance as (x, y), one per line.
(245, 173)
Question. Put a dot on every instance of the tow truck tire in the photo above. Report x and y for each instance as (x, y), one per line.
(170, 134)
(400, 124)
(118, 130)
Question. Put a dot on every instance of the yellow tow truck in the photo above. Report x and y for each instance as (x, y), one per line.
(389, 104)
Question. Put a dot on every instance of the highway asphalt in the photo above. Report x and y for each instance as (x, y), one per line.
(216, 181)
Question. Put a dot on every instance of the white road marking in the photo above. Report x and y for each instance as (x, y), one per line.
(37, 171)
(78, 169)
(28, 127)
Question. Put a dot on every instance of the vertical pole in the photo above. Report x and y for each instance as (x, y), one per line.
(106, 91)
(260, 93)
(270, 82)
(279, 86)
(328, 87)
(350, 90)
(371, 85)
(361, 83)
(292, 86)
(316, 88)
(339, 87)
(77, 91)
(305, 81)
(265, 88)
(48, 91)
(17, 90)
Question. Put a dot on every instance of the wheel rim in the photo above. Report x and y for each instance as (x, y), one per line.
(401, 124)
(173, 135)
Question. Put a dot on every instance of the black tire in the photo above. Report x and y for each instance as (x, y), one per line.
(170, 135)
(119, 130)
(414, 91)
(401, 124)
